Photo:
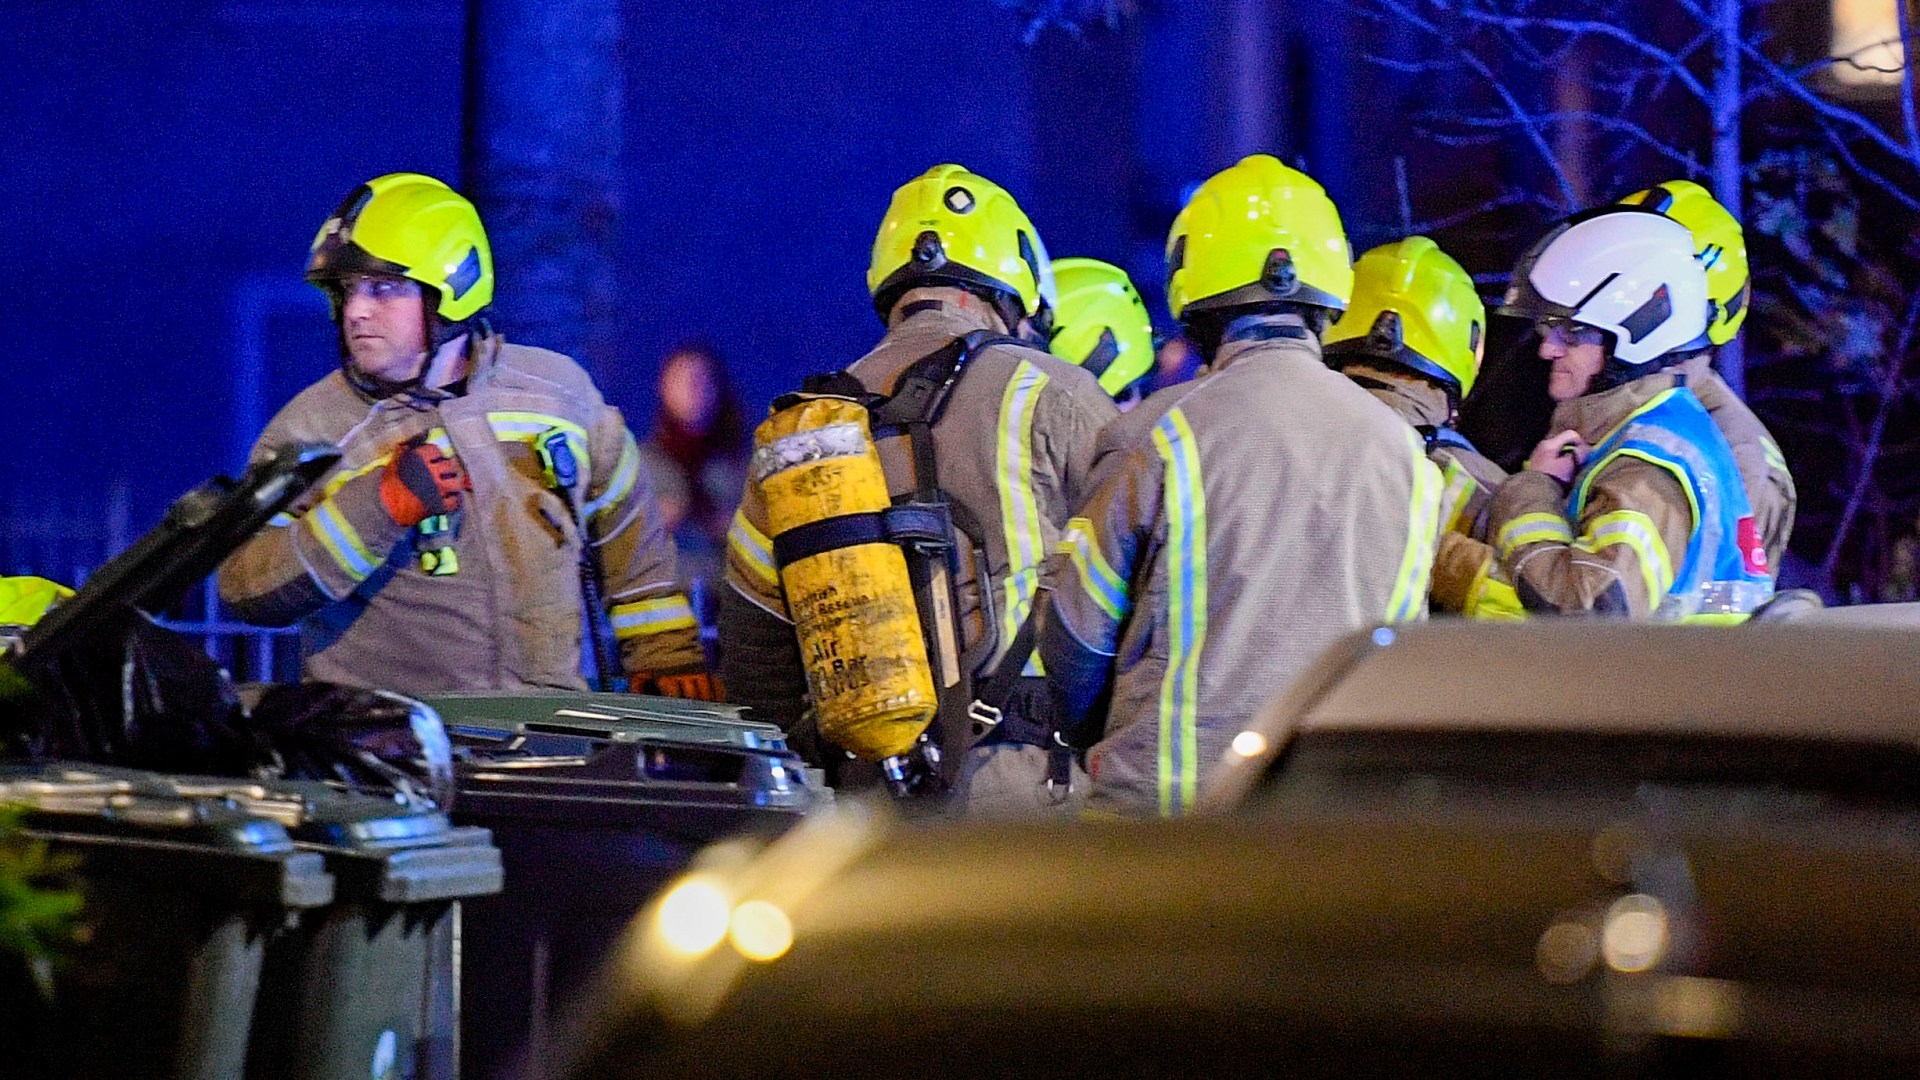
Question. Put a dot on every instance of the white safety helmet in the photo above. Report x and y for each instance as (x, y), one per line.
(1625, 270)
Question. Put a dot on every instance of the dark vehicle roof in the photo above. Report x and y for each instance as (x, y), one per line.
(1832, 681)
(1240, 946)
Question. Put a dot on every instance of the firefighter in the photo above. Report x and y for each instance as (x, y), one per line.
(1101, 324)
(484, 491)
(1240, 522)
(1414, 336)
(24, 601)
(1635, 507)
(955, 255)
(1721, 247)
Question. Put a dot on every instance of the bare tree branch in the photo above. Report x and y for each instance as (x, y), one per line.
(1589, 27)
(1523, 119)
(1890, 393)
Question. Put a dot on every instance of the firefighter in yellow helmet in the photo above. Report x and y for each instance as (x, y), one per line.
(1239, 522)
(1102, 325)
(957, 268)
(24, 601)
(486, 490)
(1413, 336)
(1721, 247)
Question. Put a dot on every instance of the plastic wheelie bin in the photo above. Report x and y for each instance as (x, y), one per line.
(366, 987)
(595, 801)
(181, 896)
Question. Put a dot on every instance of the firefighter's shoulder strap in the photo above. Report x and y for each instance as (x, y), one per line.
(918, 401)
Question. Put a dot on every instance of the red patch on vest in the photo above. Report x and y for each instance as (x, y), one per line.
(1752, 551)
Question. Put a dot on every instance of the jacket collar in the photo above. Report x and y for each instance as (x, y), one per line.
(1416, 400)
(1264, 333)
(1595, 416)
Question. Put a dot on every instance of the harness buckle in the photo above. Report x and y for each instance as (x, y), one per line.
(984, 716)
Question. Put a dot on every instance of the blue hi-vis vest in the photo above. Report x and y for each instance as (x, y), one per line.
(1724, 572)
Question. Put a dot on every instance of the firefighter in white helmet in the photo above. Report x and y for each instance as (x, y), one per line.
(1634, 507)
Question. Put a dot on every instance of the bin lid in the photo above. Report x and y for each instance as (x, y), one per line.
(86, 800)
(613, 717)
(648, 783)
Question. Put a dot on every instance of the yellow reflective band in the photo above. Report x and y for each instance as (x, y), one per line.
(655, 616)
(337, 535)
(526, 427)
(753, 547)
(1636, 530)
(1416, 559)
(1533, 529)
(436, 436)
(1019, 510)
(1097, 579)
(1775, 459)
(1460, 489)
(624, 476)
(1185, 507)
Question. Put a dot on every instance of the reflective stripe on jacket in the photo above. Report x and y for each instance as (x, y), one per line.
(1014, 449)
(508, 615)
(1238, 524)
(1722, 571)
(1631, 533)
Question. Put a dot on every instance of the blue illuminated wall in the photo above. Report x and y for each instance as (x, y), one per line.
(168, 164)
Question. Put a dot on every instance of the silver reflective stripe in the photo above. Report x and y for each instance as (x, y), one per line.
(1733, 597)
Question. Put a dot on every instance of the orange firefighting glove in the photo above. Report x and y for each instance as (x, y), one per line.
(696, 685)
(422, 481)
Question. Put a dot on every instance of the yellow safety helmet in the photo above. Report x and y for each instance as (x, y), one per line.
(410, 226)
(1413, 306)
(952, 227)
(24, 600)
(1258, 232)
(1100, 323)
(1719, 244)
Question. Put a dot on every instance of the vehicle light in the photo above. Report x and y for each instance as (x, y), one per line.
(693, 917)
(1249, 744)
(1635, 937)
(761, 931)
(1566, 952)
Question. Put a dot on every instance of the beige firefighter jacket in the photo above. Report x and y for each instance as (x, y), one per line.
(1621, 556)
(1238, 525)
(1014, 450)
(1763, 468)
(509, 615)
(1462, 557)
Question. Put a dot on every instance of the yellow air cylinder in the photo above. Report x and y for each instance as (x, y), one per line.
(853, 607)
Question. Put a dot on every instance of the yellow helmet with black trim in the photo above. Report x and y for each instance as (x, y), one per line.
(1718, 242)
(1415, 307)
(1100, 323)
(1258, 232)
(412, 226)
(952, 227)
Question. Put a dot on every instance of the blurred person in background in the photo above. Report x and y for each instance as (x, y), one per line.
(697, 459)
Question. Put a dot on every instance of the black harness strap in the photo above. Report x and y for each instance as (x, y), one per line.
(909, 523)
